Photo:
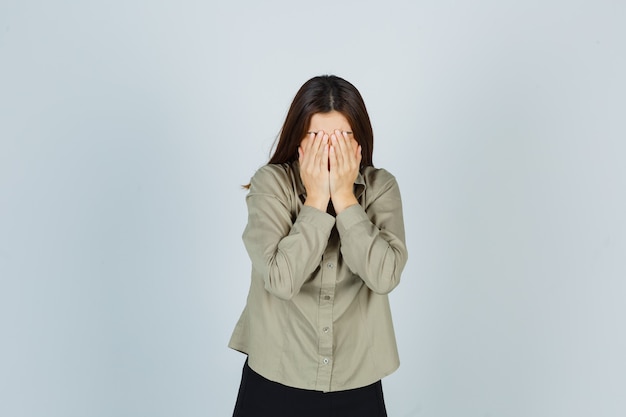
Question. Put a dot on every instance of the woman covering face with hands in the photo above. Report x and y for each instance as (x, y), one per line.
(325, 236)
(329, 162)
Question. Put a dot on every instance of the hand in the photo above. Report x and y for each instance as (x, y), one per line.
(345, 160)
(313, 157)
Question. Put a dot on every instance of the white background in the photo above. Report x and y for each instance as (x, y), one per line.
(127, 128)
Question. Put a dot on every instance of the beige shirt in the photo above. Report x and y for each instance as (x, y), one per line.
(317, 315)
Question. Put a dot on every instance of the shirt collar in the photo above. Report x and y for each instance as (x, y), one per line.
(359, 182)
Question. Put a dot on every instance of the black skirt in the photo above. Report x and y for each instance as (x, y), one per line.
(260, 397)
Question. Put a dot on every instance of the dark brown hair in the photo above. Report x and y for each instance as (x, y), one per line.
(324, 94)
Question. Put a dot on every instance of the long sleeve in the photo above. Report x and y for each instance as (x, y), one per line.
(372, 238)
(285, 252)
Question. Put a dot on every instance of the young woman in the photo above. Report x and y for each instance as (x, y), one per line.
(325, 235)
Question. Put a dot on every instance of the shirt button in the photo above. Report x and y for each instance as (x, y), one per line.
(325, 361)
(327, 297)
(325, 329)
(330, 265)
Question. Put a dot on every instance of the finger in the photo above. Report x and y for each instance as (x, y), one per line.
(320, 139)
(344, 147)
(351, 144)
(312, 145)
(324, 153)
(325, 163)
(321, 142)
(355, 150)
(310, 142)
(313, 149)
(332, 158)
(307, 150)
(337, 148)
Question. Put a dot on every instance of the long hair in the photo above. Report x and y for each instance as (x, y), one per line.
(324, 94)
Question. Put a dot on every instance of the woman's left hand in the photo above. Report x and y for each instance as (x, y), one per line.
(345, 160)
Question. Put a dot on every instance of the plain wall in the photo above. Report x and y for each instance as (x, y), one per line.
(127, 128)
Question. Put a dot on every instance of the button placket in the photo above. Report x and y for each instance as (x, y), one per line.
(325, 316)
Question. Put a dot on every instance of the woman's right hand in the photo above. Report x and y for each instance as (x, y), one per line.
(314, 172)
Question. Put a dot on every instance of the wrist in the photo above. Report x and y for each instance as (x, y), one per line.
(343, 201)
(318, 202)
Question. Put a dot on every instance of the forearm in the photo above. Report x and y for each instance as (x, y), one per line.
(377, 254)
(287, 259)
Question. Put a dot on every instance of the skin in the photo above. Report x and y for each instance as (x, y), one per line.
(329, 158)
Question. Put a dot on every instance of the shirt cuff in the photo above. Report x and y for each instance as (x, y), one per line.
(349, 217)
(316, 217)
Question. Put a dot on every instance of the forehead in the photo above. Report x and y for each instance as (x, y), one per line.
(329, 122)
